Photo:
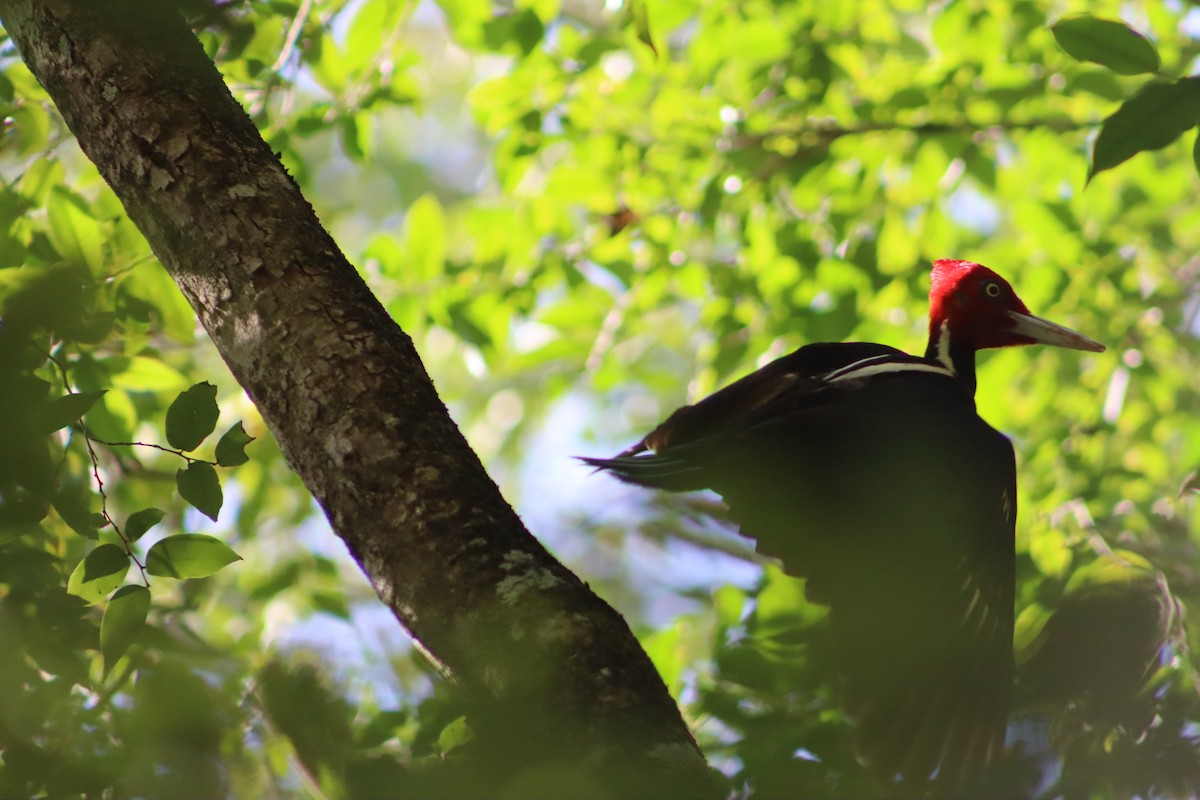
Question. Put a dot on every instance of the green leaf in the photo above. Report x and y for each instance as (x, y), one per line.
(63, 411)
(143, 374)
(1196, 153)
(332, 603)
(192, 417)
(455, 735)
(641, 23)
(75, 511)
(1030, 623)
(189, 555)
(301, 702)
(781, 605)
(74, 232)
(366, 34)
(729, 602)
(99, 573)
(519, 29)
(199, 485)
(355, 137)
(1108, 43)
(141, 521)
(466, 17)
(1153, 118)
(424, 240)
(231, 449)
(381, 727)
(123, 620)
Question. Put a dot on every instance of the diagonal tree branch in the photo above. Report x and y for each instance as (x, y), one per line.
(343, 390)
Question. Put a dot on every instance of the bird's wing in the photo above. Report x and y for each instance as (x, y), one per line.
(897, 503)
(732, 407)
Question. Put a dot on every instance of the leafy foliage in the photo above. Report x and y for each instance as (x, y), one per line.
(1108, 43)
(610, 227)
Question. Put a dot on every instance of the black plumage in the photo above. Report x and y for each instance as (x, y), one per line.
(868, 472)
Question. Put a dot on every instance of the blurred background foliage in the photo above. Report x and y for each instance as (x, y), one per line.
(586, 214)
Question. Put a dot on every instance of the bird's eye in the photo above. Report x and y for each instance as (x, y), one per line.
(991, 289)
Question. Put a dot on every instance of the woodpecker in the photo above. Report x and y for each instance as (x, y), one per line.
(868, 472)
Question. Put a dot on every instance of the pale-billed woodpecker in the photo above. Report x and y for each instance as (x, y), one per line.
(868, 472)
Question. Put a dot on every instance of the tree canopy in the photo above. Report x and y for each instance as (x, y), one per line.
(585, 215)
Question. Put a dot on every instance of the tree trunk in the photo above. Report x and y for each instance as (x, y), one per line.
(550, 666)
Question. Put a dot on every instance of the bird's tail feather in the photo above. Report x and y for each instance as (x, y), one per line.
(653, 470)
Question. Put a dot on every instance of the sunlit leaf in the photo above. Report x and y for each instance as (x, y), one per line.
(101, 571)
(455, 735)
(189, 555)
(729, 602)
(466, 17)
(781, 606)
(114, 417)
(424, 240)
(666, 649)
(366, 33)
(75, 233)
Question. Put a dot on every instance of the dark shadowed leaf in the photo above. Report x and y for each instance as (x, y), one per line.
(522, 29)
(62, 411)
(199, 485)
(192, 417)
(75, 511)
(381, 727)
(301, 701)
(1196, 153)
(141, 521)
(332, 603)
(1106, 42)
(1154, 117)
(189, 555)
(641, 23)
(122, 622)
(99, 573)
(231, 449)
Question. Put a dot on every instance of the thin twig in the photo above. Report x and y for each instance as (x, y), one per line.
(173, 451)
(293, 35)
(87, 440)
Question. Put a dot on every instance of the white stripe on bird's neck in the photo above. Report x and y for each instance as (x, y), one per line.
(943, 346)
(880, 365)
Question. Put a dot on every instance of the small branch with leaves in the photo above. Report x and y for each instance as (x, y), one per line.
(190, 420)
